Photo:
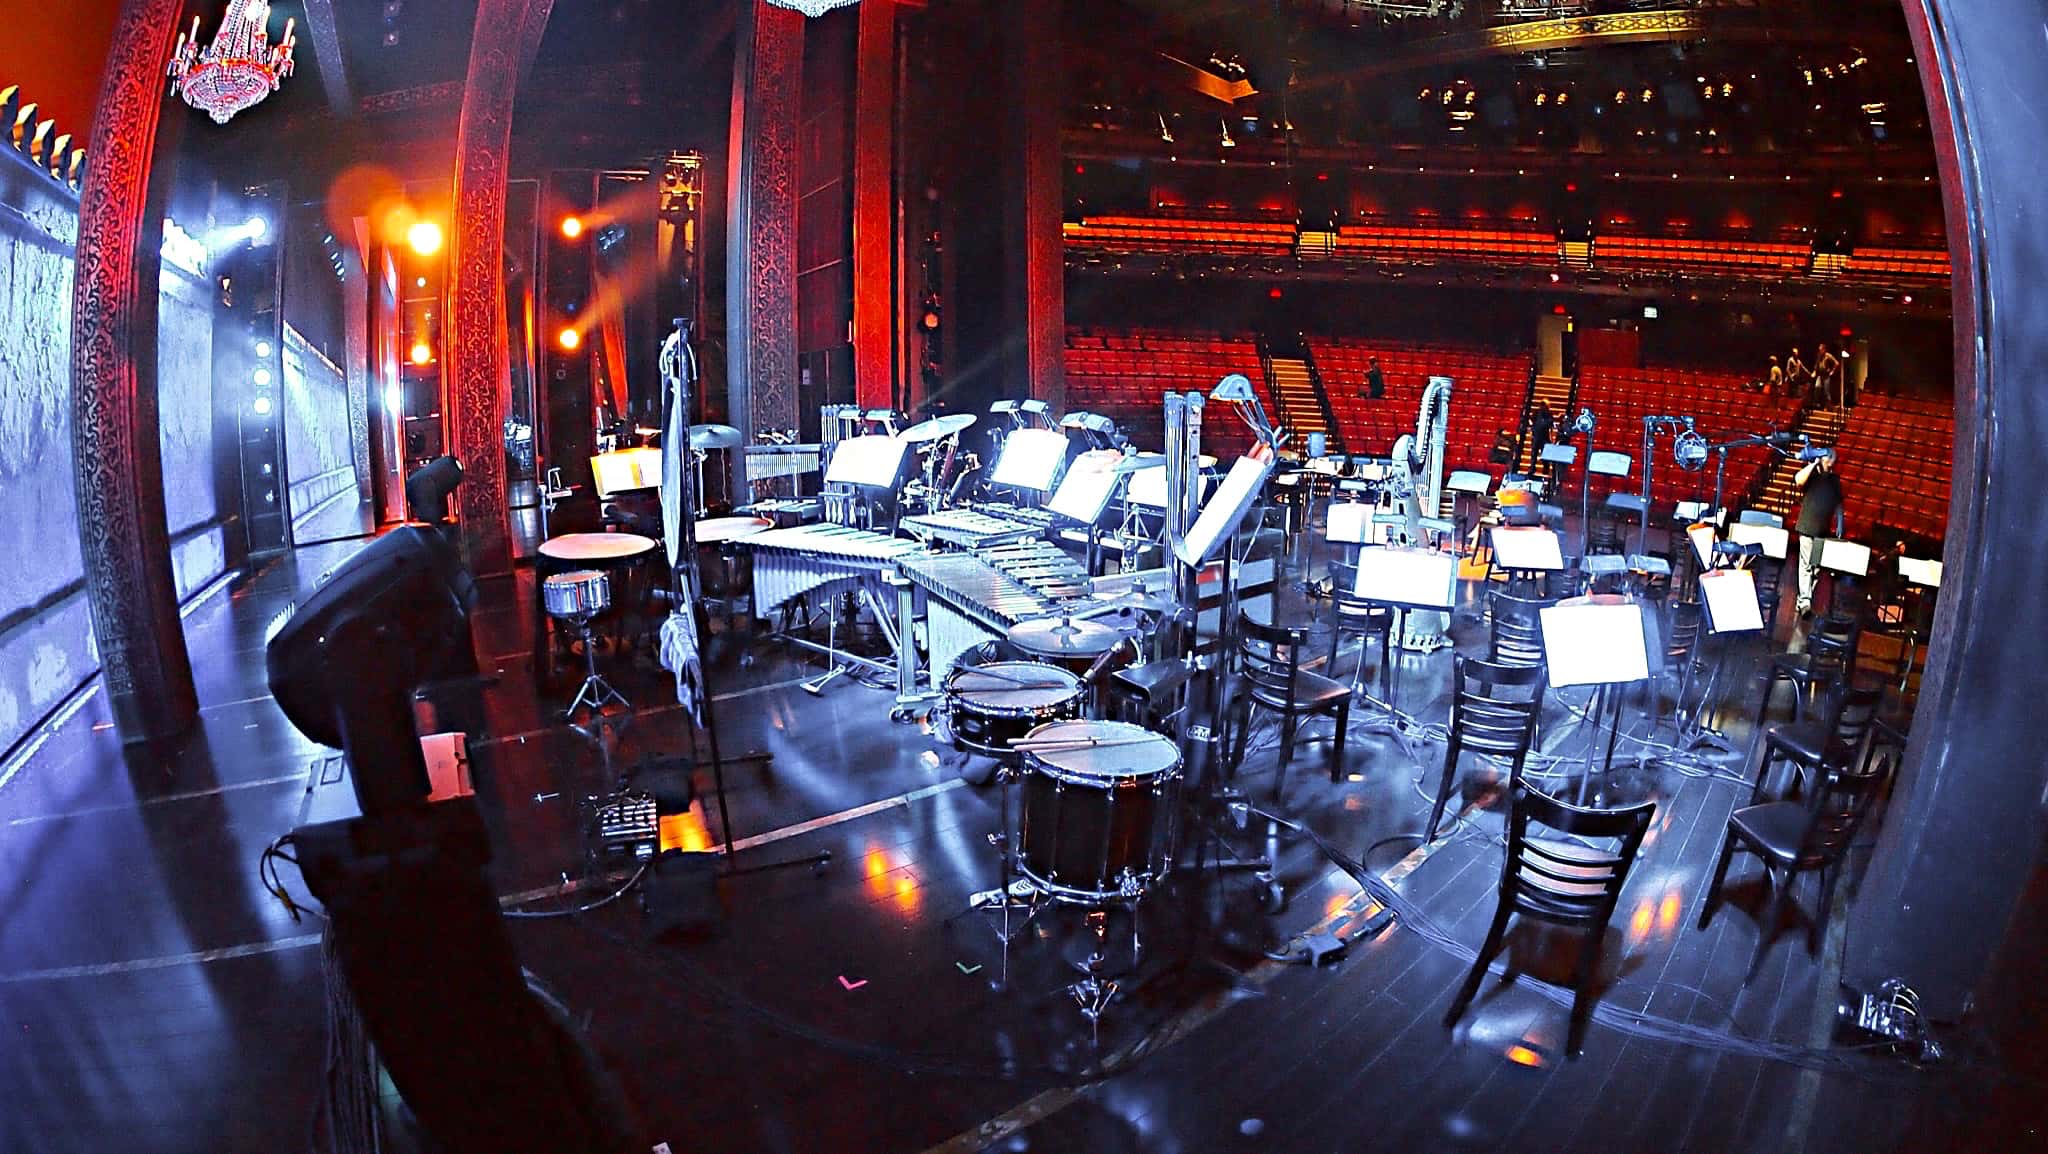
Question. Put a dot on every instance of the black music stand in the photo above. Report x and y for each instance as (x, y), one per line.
(1728, 605)
(1607, 642)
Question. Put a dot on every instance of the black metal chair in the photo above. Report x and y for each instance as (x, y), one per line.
(1517, 632)
(1354, 616)
(1770, 592)
(1493, 711)
(1798, 837)
(1606, 533)
(1564, 881)
(1825, 744)
(1828, 660)
(1270, 676)
(1681, 650)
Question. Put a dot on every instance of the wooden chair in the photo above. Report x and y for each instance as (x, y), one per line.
(1567, 883)
(1493, 711)
(1269, 676)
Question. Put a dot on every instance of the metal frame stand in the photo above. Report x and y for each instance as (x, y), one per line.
(595, 693)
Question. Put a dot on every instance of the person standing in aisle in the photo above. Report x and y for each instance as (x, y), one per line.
(1820, 516)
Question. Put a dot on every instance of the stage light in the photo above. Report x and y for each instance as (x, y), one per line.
(262, 406)
(424, 237)
(261, 377)
(419, 282)
(421, 354)
(262, 348)
(572, 227)
(256, 226)
(569, 339)
(1908, 298)
(394, 399)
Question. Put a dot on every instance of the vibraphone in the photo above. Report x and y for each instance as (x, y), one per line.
(968, 601)
(1040, 566)
(969, 529)
(1040, 519)
(790, 563)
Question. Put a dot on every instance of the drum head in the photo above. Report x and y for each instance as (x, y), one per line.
(1013, 685)
(1101, 751)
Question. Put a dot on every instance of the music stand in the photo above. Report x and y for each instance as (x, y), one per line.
(1847, 559)
(1030, 459)
(1604, 641)
(1775, 541)
(1225, 509)
(1525, 551)
(1728, 605)
(1601, 463)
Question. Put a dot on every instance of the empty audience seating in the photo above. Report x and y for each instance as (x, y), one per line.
(1895, 464)
(1722, 405)
(1126, 376)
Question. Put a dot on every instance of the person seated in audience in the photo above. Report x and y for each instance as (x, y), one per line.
(1375, 380)
(1820, 516)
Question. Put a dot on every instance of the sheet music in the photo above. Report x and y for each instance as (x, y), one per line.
(1730, 599)
(1594, 643)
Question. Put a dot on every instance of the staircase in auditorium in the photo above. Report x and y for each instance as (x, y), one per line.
(1778, 492)
(1301, 407)
(1560, 394)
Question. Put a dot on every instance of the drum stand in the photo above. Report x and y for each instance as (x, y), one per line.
(595, 692)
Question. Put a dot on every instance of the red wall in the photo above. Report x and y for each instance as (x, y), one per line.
(56, 52)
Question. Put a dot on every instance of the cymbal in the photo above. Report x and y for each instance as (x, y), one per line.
(1139, 463)
(714, 437)
(1063, 636)
(1135, 600)
(938, 427)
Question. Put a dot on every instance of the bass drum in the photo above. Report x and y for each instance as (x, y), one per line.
(990, 707)
(1097, 799)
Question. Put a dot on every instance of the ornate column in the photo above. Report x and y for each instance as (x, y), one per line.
(1036, 91)
(875, 317)
(477, 381)
(760, 255)
(116, 455)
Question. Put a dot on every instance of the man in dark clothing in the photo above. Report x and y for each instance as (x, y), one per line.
(1541, 423)
(1820, 515)
(1375, 380)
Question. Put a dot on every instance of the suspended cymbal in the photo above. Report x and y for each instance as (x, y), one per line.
(938, 427)
(1136, 601)
(714, 437)
(1139, 463)
(1063, 637)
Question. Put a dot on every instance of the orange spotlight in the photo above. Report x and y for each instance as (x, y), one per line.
(569, 339)
(421, 354)
(572, 227)
(424, 237)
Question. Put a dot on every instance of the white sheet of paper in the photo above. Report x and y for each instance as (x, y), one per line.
(625, 471)
(1148, 488)
(1920, 572)
(1421, 578)
(1730, 597)
(1609, 464)
(1772, 538)
(1594, 643)
(1031, 459)
(1221, 514)
(1348, 522)
(1086, 488)
(872, 460)
(1527, 548)
(1559, 454)
(1470, 481)
(1702, 538)
(1845, 556)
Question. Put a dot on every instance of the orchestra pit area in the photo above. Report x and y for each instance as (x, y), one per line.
(932, 576)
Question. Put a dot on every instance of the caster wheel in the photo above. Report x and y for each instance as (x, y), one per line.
(1274, 900)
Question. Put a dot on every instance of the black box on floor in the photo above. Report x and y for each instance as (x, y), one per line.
(682, 894)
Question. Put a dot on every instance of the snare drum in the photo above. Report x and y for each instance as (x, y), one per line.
(1096, 807)
(991, 706)
(582, 593)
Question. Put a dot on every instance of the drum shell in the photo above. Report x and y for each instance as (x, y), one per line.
(581, 593)
(1089, 838)
(991, 728)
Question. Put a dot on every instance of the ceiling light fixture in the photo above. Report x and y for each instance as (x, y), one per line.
(239, 68)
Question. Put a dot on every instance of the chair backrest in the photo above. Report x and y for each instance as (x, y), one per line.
(1494, 706)
(1517, 631)
(1852, 714)
(1686, 618)
(1832, 645)
(1355, 613)
(1836, 808)
(1269, 656)
(1569, 882)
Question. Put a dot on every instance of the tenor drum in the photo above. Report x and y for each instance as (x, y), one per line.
(582, 593)
(991, 706)
(1096, 807)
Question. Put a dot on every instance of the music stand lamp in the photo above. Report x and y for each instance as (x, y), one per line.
(1603, 641)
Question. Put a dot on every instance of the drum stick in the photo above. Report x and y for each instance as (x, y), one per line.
(1083, 743)
(1019, 682)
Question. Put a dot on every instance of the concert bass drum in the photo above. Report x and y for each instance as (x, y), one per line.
(990, 706)
(1097, 802)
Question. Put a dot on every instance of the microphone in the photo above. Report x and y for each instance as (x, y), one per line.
(1815, 453)
(1787, 440)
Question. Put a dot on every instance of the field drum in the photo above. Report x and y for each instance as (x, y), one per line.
(1097, 801)
(990, 707)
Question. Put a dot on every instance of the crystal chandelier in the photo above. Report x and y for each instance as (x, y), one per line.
(239, 68)
(812, 7)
